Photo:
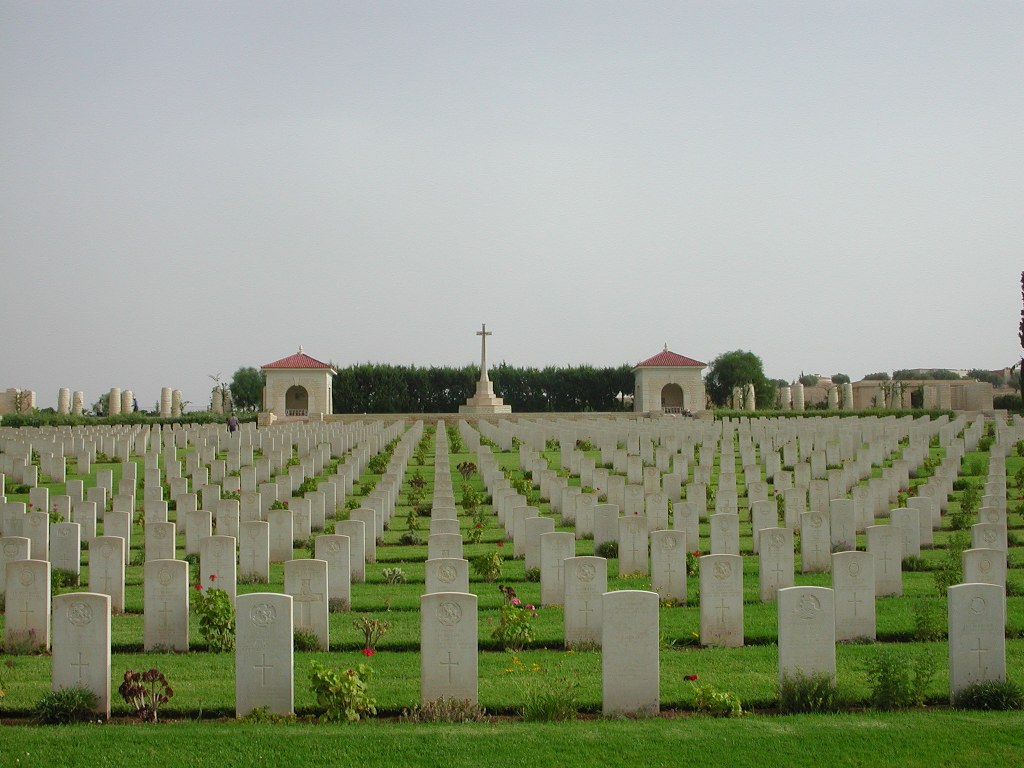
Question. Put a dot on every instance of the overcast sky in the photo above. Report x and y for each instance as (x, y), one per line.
(192, 187)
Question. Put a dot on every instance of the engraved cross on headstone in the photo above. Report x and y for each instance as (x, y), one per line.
(263, 667)
(449, 664)
(79, 664)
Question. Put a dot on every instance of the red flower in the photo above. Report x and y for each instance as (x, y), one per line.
(690, 677)
(213, 577)
(30, 505)
(368, 652)
(199, 587)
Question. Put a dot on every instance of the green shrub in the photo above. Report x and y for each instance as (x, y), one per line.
(68, 705)
(344, 696)
(708, 700)
(515, 626)
(446, 709)
(216, 615)
(800, 693)
(532, 574)
(305, 640)
(607, 549)
(487, 566)
(929, 621)
(410, 538)
(899, 679)
(991, 694)
(393, 575)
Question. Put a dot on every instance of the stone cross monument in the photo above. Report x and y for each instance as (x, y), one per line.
(484, 401)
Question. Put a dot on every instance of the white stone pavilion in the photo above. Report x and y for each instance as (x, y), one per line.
(298, 385)
(669, 383)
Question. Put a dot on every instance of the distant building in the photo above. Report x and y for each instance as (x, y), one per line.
(298, 385)
(669, 383)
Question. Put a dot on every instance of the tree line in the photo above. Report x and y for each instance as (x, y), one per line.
(379, 388)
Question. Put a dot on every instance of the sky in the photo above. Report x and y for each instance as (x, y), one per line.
(193, 187)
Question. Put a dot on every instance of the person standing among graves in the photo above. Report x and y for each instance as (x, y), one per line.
(232, 423)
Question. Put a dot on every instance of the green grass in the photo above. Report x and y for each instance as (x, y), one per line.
(909, 739)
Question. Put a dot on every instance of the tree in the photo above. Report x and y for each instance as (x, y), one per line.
(840, 378)
(737, 369)
(936, 374)
(987, 376)
(808, 379)
(247, 389)
(880, 376)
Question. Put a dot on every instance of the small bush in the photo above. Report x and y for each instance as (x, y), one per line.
(264, 715)
(343, 696)
(61, 578)
(146, 692)
(68, 705)
(915, 564)
(216, 615)
(800, 693)
(487, 566)
(532, 574)
(373, 630)
(306, 640)
(607, 549)
(929, 621)
(710, 701)
(515, 628)
(446, 709)
(410, 538)
(991, 694)
(393, 575)
(899, 679)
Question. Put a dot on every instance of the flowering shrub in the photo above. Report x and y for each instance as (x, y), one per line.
(145, 691)
(693, 564)
(216, 617)
(373, 630)
(279, 505)
(515, 628)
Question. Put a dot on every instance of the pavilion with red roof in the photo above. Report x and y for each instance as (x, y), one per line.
(298, 386)
(668, 383)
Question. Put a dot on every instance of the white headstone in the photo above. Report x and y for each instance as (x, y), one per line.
(775, 561)
(306, 581)
(446, 574)
(81, 645)
(254, 550)
(629, 653)
(106, 569)
(807, 635)
(335, 550)
(27, 605)
(668, 565)
(554, 549)
(853, 583)
(448, 646)
(977, 635)
(264, 655)
(586, 580)
(721, 600)
(165, 587)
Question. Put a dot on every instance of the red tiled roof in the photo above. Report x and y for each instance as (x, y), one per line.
(298, 360)
(666, 358)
